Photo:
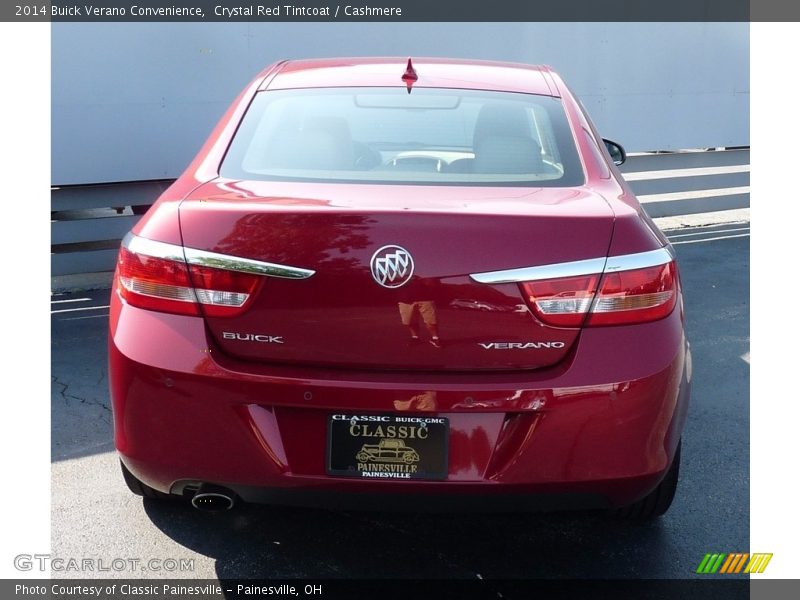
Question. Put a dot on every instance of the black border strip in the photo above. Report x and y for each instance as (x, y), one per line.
(401, 10)
(734, 588)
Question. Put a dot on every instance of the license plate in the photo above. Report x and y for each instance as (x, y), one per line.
(387, 446)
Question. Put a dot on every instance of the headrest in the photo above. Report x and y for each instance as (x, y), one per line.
(507, 154)
(322, 143)
(500, 119)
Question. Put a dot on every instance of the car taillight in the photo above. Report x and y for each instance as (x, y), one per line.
(154, 275)
(625, 294)
(635, 296)
(561, 302)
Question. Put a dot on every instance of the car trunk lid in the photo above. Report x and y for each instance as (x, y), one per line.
(349, 235)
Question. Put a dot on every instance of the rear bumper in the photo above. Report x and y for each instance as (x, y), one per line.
(469, 499)
(599, 430)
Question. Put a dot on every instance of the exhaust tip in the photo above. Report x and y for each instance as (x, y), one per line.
(213, 499)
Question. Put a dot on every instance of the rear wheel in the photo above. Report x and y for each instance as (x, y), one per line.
(657, 502)
(139, 488)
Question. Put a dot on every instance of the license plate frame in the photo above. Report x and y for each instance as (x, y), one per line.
(388, 447)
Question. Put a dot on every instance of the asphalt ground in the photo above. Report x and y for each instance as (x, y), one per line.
(95, 516)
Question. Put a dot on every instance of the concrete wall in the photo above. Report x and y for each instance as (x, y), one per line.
(135, 101)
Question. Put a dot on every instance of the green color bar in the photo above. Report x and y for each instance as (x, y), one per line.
(703, 563)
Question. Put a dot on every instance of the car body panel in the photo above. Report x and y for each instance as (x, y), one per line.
(432, 72)
(450, 232)
(208, 418)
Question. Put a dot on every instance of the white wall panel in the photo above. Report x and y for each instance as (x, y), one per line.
(136, 100)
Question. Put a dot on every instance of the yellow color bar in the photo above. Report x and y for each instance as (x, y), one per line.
(753, 564)
(758, 562)
(765, 562)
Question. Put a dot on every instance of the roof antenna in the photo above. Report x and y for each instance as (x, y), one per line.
(410, 76)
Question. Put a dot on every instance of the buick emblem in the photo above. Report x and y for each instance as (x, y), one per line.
(391, 266)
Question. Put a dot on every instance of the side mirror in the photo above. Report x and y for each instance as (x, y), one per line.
(616, 151)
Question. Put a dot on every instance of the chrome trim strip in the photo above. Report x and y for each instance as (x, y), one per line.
(140, 245)
(554, 271)
(244, 265)
(204, 258)
(591, 266)
(640, 260)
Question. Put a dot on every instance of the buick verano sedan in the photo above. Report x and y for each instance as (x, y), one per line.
(438, 257)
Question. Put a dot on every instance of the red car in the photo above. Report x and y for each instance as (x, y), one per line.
(386, 280)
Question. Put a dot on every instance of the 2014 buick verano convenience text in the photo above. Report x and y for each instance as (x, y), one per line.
(386, 280)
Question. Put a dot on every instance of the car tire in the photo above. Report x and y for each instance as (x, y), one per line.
(139, 488)
(657, 502)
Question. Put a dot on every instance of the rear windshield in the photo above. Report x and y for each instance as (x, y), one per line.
(386, 135)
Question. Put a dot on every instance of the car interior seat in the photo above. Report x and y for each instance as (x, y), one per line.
(321, 143)
(502, 141)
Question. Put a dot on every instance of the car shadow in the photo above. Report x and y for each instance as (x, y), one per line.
(253, 541)
(80, 408)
